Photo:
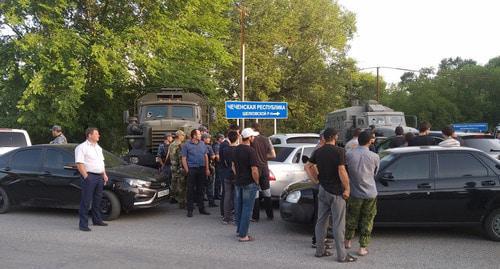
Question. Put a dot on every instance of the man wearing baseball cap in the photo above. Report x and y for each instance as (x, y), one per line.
(246, 169)
(59, 138)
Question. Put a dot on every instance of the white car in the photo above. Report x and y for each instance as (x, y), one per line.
(279, 139)
(11, 139)
(288, 166)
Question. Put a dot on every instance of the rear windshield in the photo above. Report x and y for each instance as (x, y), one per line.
(12, 139)
(282, 153)
(487, 145)
(310, 140)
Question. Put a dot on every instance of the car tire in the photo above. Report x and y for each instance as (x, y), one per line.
(491, 225)
(110, 206)
(4, 201)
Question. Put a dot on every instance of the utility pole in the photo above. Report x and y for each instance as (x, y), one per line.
(378, 75)
(241, 9)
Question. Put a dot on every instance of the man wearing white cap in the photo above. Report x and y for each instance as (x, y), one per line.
(246, 169)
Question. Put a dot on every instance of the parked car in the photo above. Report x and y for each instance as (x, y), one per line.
(46, 176)
(484, 142)
(422, 186)
(310, 138)
(288, 166)
(11, 139)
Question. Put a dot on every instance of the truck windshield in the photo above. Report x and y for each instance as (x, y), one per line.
(395, 120)
(154, 112)
(182, 112)
(378, 120)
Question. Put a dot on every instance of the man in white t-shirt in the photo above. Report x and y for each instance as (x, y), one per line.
(353, 143)
(90, 163)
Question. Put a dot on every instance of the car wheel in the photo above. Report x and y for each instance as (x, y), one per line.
(110, 205)
(4, 201)
(492, 225)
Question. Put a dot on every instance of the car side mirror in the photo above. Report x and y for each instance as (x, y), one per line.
(305, 159)
(385, 178)
(70, 166)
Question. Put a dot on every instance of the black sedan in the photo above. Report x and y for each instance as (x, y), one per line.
(46, 176)
(422, 186)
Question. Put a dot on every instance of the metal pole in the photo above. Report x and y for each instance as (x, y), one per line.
(378, 85)
(242, 45)
(275, 126)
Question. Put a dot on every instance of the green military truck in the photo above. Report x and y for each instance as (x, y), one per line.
(162, 112)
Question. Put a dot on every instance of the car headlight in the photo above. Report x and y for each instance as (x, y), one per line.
(137, 183)
(134, 160)
(293, 197)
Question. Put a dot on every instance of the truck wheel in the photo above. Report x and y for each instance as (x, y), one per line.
(4, 201)
(110, 206)
(492, 225)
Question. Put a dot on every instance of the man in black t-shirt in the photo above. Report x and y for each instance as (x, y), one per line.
(265, 151)
(423, 138)
(327, 166)
(246, 183)
(398, 140)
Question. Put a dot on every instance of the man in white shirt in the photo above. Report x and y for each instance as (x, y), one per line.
(90, 163)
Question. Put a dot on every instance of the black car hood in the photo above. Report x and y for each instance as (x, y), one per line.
(134, 171)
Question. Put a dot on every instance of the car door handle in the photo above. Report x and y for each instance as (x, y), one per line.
(488, 183)
(424, 186)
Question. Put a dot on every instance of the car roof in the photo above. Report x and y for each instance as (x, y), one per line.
(294, 145)
(296, 135)
(12, 130)
(62, 146)
(428, 148)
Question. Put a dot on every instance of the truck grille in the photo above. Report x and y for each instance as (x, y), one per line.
(157, 138)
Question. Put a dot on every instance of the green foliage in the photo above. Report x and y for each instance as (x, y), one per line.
(461, 91)
(81, 63)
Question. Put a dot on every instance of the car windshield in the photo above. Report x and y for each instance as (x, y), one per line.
(385, 158)
(111, 160)
(395, 120)
(487, 145)
(303, 139)
(282, 153)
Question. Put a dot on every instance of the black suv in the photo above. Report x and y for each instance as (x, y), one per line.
(46, 176)
(422, 186)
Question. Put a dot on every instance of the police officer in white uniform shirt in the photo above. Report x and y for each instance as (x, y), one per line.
(90, 163)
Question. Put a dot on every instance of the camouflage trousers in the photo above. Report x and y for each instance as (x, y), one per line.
(360, 215)
(179, 188)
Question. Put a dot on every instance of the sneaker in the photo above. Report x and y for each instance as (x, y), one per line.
(204, 212)
(85, 229)
(190, 214)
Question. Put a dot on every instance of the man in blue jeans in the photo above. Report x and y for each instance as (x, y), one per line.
(246, 170)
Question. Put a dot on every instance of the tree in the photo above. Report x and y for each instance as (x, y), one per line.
(80, 63)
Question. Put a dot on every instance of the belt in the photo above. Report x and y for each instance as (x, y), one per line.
(97, 174)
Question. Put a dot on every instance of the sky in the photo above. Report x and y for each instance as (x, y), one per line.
(420, 33)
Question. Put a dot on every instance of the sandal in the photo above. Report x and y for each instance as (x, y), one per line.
(347, 244)
(348, 258)
(324, 254)
(250, 238)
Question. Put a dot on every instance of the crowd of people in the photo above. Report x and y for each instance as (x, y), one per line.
(232, 169)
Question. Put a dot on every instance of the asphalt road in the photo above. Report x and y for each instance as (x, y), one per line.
(164, 237)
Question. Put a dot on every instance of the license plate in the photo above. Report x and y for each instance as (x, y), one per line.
(163, 193)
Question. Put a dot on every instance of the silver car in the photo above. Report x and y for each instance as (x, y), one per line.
(288, 166)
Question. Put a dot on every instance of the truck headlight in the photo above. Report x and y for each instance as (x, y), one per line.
(137, 183)
(293, 197)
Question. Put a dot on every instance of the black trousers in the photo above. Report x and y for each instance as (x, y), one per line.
(92, 188)
(195, 186)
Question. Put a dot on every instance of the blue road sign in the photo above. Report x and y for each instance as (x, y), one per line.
(470, 127)
(256, 110)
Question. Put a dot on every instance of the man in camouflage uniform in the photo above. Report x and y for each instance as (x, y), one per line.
(362, 165)
(178, 184)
